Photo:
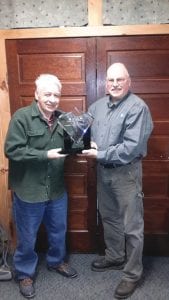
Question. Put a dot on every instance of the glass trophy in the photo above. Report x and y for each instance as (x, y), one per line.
(76, 127)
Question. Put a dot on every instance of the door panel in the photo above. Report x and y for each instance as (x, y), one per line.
(73, 61)
(147, 59)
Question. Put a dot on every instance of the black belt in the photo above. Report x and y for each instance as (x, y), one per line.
(110, 166)
(113, 166)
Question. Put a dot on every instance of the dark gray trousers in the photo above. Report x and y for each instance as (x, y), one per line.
(121, 209)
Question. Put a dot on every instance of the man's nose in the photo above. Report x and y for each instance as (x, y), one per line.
(115, 82)
(53, 98)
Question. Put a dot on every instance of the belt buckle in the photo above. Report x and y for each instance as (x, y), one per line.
(109, 166)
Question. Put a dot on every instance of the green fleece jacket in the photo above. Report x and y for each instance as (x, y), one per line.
(32, 176)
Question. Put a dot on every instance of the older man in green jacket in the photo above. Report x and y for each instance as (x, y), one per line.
(36, 177)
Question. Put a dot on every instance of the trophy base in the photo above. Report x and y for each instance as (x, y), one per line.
(68, 144)
(71, 151)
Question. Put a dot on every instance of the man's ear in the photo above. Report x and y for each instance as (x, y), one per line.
(106, 88)
(36, 95)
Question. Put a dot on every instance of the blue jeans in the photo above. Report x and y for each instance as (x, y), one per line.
(28, 217)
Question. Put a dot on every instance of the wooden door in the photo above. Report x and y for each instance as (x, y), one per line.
(147, 59)
(73, 61)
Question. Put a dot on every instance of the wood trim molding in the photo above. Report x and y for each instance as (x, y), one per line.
(5, 196)
(147, 29)
(95, 12)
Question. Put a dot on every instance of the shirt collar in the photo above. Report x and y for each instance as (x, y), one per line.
(112, 104)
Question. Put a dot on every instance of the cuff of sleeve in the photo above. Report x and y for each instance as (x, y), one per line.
(43, 156)
(101, 155)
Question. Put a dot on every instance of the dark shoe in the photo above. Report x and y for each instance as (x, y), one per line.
(125, 289)
(26, 288)
(101, 265)
(64, 269)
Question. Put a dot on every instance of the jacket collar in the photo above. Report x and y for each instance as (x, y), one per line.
(35, 109)
(36, 112)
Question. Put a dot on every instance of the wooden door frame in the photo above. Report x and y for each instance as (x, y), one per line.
(64, 32)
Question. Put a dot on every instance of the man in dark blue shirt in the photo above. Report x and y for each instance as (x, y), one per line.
(120, 131)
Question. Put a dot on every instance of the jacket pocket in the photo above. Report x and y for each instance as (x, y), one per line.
(38, 139)
(37, 132)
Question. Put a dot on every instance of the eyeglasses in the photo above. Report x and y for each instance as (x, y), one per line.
(117, 80)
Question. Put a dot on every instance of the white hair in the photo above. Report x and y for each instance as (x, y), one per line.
(45, 79)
